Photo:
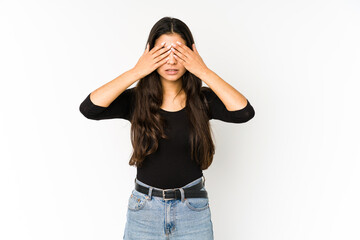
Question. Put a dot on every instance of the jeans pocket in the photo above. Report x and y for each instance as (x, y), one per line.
(137, 201)
(197, 204)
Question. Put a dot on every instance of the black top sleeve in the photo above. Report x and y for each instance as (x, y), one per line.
(217, 109)
(121, 107)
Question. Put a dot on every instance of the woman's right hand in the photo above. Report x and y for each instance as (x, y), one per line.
(151, 60)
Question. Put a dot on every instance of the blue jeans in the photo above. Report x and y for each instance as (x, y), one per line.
(153, 218)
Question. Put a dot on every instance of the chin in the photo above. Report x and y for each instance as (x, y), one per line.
(172, 77)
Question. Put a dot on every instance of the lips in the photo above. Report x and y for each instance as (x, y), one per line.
(172, 71)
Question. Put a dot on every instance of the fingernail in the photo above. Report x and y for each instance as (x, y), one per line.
(178, 42)
(162, 43)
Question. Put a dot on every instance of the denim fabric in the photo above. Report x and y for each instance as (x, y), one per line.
(153, 218)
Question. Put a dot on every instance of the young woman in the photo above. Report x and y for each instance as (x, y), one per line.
(169, 111)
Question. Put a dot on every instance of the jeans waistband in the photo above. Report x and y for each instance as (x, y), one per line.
(196, 181)
(185, 186)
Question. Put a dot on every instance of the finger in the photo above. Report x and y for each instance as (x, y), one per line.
(162, 51)
(194, 47)
(163, 55)
(182, 47)
(180, 54)
(147, 48)
(180, 59)
(156, 48)
(163, 61)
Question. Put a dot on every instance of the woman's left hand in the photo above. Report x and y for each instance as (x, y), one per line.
(190, 59)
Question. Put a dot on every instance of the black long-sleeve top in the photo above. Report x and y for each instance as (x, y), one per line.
(171, 165)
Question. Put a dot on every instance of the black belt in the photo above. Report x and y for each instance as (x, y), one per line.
(174, 193)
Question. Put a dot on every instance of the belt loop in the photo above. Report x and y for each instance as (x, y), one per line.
(150, 192)
(182, 194)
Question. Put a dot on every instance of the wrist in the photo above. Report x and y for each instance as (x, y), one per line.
(136, 73)
(204, 73)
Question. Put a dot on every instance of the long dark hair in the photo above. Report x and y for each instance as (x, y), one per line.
(147, 125)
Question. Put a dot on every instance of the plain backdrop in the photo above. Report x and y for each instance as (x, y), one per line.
(290, 173)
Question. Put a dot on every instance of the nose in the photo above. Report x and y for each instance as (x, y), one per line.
(172, 59)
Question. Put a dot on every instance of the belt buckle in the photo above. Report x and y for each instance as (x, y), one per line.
(163, 193)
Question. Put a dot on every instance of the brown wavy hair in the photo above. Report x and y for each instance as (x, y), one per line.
(147, 125)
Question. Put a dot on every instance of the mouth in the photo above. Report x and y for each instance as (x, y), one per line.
(172, 71)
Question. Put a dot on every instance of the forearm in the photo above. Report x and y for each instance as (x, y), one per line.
(106, 94)
(232, 99)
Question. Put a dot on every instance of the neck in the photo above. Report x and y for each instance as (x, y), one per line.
(171, 88)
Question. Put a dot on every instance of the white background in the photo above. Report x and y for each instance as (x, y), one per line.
(292, 172)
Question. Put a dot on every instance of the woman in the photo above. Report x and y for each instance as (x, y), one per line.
(169, 111)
